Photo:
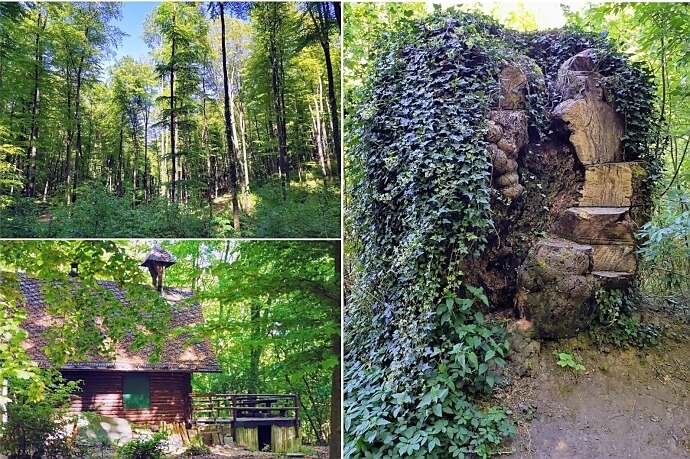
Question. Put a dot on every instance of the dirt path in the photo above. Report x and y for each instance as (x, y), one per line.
(627, 404)
(221, 202)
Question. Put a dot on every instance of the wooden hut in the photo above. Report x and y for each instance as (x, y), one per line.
(130, 386)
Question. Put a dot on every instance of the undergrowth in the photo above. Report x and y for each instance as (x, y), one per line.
(98, 213)
(308, 210)
(618, 324)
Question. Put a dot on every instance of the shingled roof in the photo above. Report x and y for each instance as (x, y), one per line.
(160, 255)
(176, 355)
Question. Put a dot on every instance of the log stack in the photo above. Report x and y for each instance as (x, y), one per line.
(599, 225)
(507, 131)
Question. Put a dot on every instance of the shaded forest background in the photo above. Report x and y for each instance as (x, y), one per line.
(228, 128)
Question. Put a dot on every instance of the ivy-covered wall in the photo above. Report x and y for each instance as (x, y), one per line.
(448, 202)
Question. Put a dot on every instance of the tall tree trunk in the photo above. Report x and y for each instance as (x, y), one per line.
(278, 100)
(245, 161)
(316, 134)
(336, 386)
(173, 175)
(254, 350)
(228, 129)
(239, 154)
(322, 23)
(134, 119)
(324, 134)
(77, 115)
(68, 150)
(35, 107)
(147, 191)
(120, 163)
(212, 186)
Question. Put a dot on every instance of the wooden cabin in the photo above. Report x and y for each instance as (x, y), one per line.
(130, 386)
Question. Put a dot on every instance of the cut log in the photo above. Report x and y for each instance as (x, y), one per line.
(614, 258)
(612, 279)
(596, 225)
(563, 256)
(513, 88)
(494, 132)
(611, 185)
(595, 129)
(514, 125)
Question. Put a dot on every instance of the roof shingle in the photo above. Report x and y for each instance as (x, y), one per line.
(177, 354)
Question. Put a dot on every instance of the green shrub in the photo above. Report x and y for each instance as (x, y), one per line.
(144, 448)
(36, 428)
(310, 209)
(197, 450)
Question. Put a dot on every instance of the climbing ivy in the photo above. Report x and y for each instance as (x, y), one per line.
(421, 360)
(418, 357)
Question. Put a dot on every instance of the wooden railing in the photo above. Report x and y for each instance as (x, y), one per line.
(208, 408)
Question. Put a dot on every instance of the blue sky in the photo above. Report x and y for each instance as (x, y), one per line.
(132, 23)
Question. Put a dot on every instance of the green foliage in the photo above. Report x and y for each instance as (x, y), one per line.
(197, 450)
(99, 213)
(569, 360)
(665, 248)
(66, 118)
(617, 324)
(440, 414)
(152, 447)
(36, 428)
(272, 312)
(311, 210)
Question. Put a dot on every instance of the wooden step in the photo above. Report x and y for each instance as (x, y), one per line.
(619, 258)
(596, 225)
(612, 279)
(566, 255)
(611, 185)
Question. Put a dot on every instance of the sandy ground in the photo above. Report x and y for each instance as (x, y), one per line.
(628, 403)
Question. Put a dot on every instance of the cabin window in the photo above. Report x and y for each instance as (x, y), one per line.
(136, 391)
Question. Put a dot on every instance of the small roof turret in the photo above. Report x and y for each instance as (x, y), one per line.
(156, 261)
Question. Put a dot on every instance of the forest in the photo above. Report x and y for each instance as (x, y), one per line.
(438, 360)
(229, 127)
(271, 309)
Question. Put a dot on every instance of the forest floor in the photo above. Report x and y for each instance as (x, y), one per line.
(219, 452)
(626, 403)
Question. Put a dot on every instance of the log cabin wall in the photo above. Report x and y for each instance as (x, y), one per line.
(102, 392)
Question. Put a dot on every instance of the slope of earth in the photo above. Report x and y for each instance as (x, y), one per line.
(627, 403)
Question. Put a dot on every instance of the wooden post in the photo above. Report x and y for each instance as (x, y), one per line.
(296, 415)
(233, 424)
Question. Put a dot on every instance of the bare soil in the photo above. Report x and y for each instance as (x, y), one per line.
(628, 403)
